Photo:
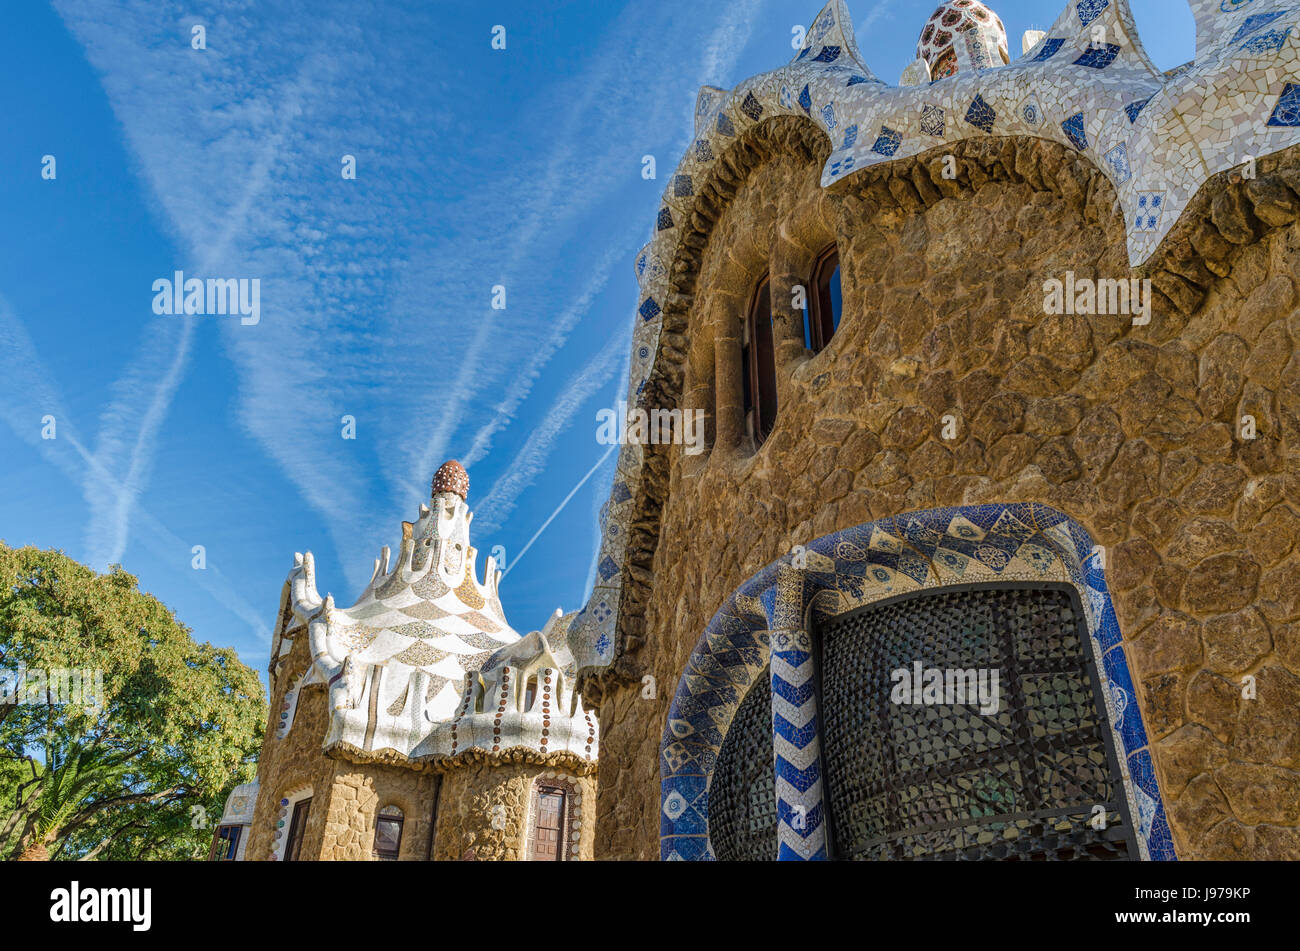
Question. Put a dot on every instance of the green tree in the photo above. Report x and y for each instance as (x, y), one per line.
(142, 769)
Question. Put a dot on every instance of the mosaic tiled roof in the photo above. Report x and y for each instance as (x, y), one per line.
(399, 661)
(1086, 83)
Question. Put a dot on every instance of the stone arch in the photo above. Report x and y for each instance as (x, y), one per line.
(764, 622)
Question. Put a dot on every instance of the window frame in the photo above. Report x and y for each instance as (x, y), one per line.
(231, 848)
(396, 816)
(297, 829)
(759, 381)
(820, 315)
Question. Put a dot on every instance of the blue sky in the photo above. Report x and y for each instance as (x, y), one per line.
(475, 167)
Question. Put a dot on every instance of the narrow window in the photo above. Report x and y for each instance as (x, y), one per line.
(759, 366)
(530, 694)
(548, 843)
(297, 827)
(388, 833)
(821, 315)
(225, 844)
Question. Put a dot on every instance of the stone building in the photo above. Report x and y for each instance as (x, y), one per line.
(991, 550)
(417, 724)
(1003, 397)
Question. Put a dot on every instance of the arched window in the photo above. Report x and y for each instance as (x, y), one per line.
(550, 814)
(759, 365)
(821, 314)
(388, 833)
(297, 829)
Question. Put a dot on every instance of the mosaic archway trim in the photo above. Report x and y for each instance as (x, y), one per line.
(763, 622)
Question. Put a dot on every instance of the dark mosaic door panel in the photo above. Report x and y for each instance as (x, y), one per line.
(945, 781)
(742, 795)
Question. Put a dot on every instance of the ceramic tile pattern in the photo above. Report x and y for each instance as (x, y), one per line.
(762, 623)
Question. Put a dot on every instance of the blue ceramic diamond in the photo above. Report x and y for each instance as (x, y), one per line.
(1098, 57)
(887, 142)
(1255, 22)
(1133, 108)
(981, 114)
(1089, 10)
(1049, 49)
(1073, 128)
(1287, 110)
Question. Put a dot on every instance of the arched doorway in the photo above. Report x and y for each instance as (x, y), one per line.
(1012, 597)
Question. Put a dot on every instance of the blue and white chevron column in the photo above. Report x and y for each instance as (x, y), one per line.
(796, 747)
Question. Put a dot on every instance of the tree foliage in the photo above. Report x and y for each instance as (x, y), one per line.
(176, 726)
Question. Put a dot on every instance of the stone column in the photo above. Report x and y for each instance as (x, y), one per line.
(796, 727)
(728, 379)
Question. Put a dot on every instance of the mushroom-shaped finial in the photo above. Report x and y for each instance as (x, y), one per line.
(451, 477)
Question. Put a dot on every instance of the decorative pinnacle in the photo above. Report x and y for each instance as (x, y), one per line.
(451, 477)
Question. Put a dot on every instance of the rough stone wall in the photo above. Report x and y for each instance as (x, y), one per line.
(471, 795)
(357, 795)
(1133, 431)
(296, 761)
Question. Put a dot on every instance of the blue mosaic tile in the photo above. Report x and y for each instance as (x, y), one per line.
(1098, 57)
(751, 107)
(687, 848)
(805, 100)
(887, 142)
(1050, 48)
(828, 115)
(1117, 159)
(1123, 698)
(724, 125)
(1089, 10)
(1133, 108)
(850, 137)
(607, 567)
(828, 54)
(1031, 112)
(1287, 110)
(1269, 41)
(602, 645)
(682, 187)
(1148, 211)
(621, 492)
(665, 220)
(981, 114)
(855, 80)
(841, 166)
(703, 151)
(932, 120)
(648, 310)
(1073, 128)
(1160, 843)
(1255, 22)
(787, 854)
